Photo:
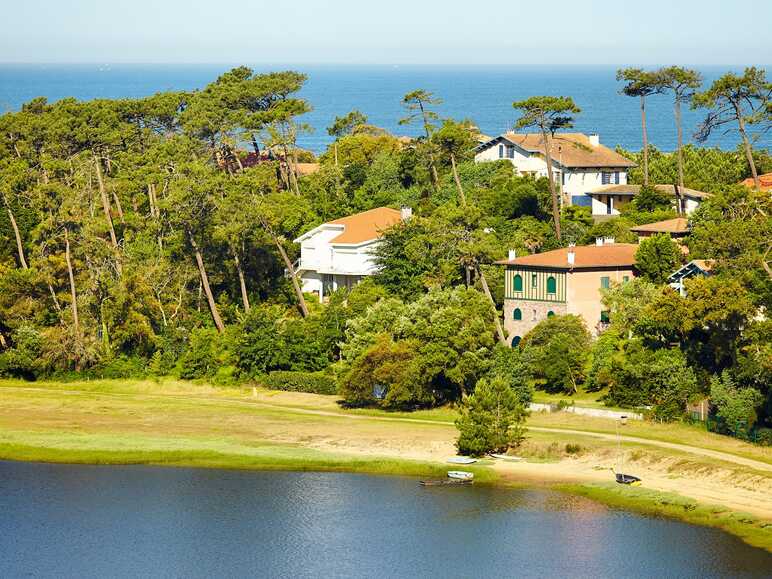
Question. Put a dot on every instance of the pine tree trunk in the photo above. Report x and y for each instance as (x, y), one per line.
(461, 195)
(680, 132)
(292, 273)
(107, 211)
(118, 207)
(242, 281)
(205, 285)
(553, 192)
(73, 294)
(748, 150)
(487, 291)
(17, 234)
(645, 142)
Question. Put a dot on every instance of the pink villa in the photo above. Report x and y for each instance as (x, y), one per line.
(563, 281)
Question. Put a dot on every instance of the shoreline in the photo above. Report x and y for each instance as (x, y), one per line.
(688, 474)
(641, 500)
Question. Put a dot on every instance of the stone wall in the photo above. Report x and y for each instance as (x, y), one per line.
(533, 313)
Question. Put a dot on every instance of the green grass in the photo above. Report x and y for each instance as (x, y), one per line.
(750, 529)
(106, 449)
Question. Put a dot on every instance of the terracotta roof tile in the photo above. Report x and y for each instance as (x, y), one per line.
(766, 182)
(677, 225)
(366, 226)
(571, 150)
(586, 257)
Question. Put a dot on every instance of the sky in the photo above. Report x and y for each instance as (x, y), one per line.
(516, 32)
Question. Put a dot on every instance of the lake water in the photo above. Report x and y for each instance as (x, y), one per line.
(92, 521)
(483, 94)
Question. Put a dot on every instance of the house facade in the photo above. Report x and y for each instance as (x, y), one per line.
(580, 163)
(695, 268)
(339, 253)
(564, 281)
(610, 199)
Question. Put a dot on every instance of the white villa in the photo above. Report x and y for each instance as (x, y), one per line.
(609, 199)
(339, 253)
(580, 163)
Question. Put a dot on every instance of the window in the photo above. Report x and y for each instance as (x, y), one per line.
(534, 315)
(517, 314)
(510, 152)
(605, 282)
(533, 280)
(550, 314)
(616, 177)
(515, 341)
(551, 285)
(626, 278)
(501, 151)
(604, 317)
(518, 283)
(605, 178)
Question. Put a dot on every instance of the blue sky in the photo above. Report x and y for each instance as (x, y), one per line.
(388, 32)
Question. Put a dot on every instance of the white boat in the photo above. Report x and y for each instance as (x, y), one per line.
(460, 475)
(462, 460)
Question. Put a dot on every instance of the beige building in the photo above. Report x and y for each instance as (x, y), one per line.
(563, 281)
(677, 228)
(609, 200)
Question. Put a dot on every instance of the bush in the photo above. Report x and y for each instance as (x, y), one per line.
(120, 367)
(491, 419)
(23, 359)
(311, 382)
(207, 351)
(764, 436)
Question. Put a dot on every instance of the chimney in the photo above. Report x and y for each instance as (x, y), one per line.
(599, 241)
(595, 139)
(405, 212)
(571, 254)
(512, 255)
(608, 240)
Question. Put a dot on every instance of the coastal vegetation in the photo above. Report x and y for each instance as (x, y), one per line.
(152, 237)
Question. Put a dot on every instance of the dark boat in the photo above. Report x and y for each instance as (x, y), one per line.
(627, 479)
(445, 482)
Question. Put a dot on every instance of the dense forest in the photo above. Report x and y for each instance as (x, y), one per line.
(153, 237)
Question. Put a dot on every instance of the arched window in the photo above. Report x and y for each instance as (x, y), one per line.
(517, 314)
(550, 314)
(518, 283)
(551, 285)
(515, 341)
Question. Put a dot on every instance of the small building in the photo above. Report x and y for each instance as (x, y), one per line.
(580, 163)
(339, 253)
(676, 228)
(696, 267)
(610, 199)
(563, 281)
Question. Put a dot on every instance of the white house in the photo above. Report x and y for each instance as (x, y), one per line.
(609, 199)
(580, 163)
(339, 253)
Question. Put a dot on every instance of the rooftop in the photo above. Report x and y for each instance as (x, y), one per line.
(569, 149)
(766, 182)
(366, 226)
(585, 257)
(676, 225)
(635, 189)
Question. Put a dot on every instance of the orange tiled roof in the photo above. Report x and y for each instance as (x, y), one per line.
(766, 182)
(571, 150)
(676, 225)
(586, 257)
(366, 226)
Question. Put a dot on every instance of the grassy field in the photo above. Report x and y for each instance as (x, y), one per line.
(175, 423)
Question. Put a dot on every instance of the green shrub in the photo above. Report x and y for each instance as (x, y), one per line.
(23, 359)
(207, 351)
(311, 382)
(120, 367)
(764, 436)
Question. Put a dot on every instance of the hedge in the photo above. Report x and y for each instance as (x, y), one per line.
(311, 382)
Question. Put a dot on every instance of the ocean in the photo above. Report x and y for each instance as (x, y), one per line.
(483, 94)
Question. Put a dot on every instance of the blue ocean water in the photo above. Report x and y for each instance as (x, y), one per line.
(482, 94)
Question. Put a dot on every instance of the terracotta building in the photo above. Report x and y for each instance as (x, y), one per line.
(563, 281)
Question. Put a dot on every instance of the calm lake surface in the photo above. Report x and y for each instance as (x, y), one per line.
(91, 521)
(481, 93)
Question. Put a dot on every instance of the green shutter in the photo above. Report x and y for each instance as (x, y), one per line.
(517, 314)
(551, 285)
(518, 283)
(605, 282)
